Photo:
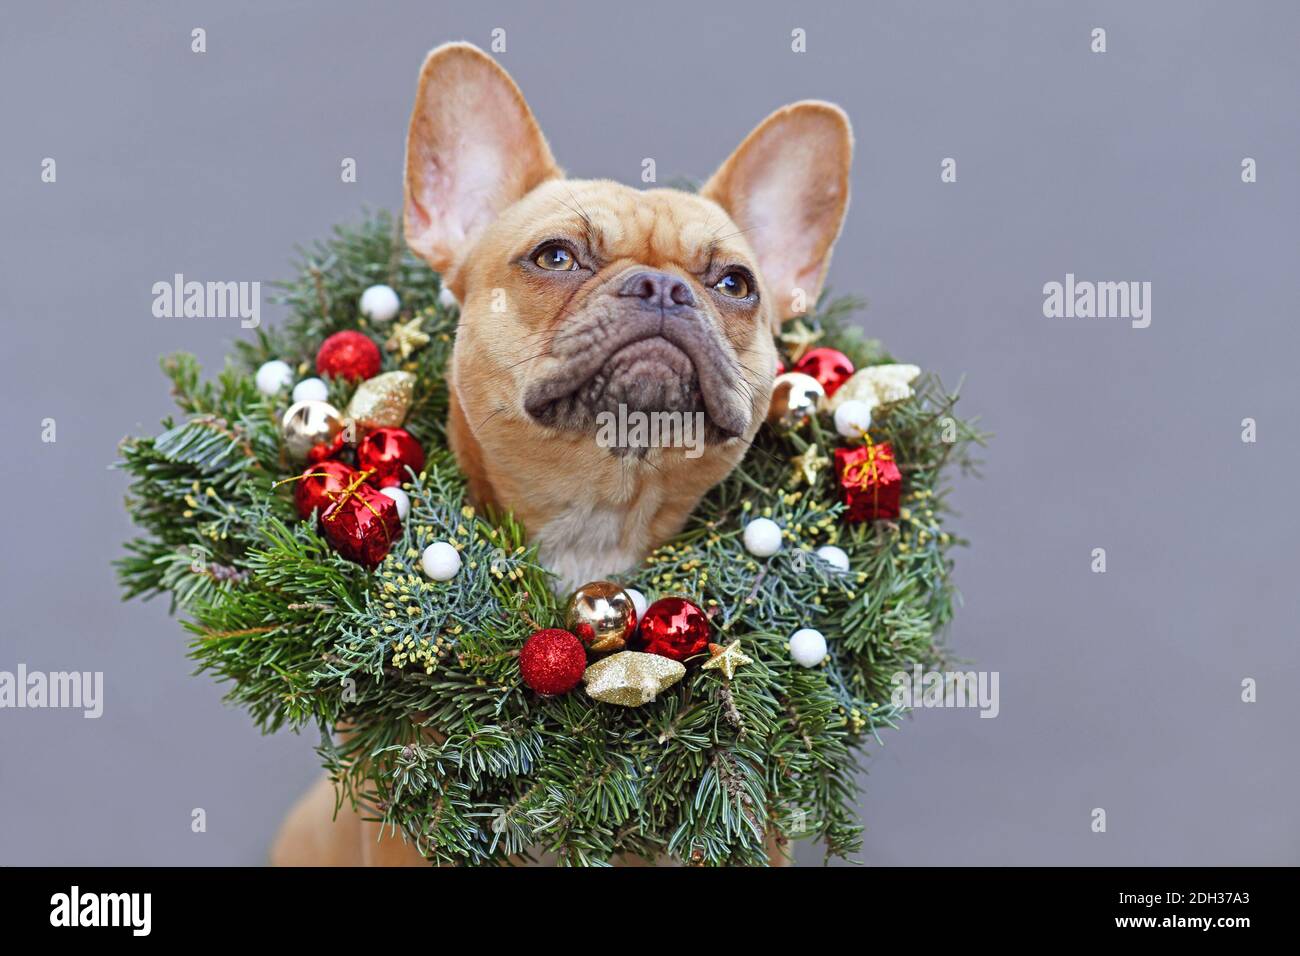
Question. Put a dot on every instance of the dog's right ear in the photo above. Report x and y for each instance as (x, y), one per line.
(472, 150)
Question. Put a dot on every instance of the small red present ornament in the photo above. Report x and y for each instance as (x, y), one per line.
(870, 481)
(320, 486)
(362, 523)
(358, 520)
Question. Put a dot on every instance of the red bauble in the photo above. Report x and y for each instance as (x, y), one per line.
(388, 452)
(552, 661)
(870, 481)
(830, 367)
(362, 525)
(673, 627)
(349, 355)
(320, 485)
(331, 449)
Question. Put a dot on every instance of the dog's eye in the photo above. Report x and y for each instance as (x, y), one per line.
(555, 258)
(733, 285)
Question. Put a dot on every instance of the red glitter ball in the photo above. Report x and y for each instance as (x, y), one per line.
(349, 355)
(362, 526)
(319, 485)
(552, 661)
(673, 627)
(830, 367)
(388, 452)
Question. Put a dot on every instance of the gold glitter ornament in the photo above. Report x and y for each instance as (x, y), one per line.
(407, 337)
(307, 424)
(602, 615)
(807, 465)
(795, 397)
(631, 678)
(876, 385)
(798, 339)
(726, 659)
(382, 401)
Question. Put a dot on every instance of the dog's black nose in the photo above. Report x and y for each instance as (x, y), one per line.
(658, 290)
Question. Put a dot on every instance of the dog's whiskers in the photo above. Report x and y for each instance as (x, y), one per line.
(531, 358)
(500, 409)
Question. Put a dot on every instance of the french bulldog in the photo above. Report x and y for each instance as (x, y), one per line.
(581, 299)
(581, 296)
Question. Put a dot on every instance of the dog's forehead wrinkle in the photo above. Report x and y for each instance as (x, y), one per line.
(659, 228)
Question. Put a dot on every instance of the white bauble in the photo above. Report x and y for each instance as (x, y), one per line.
(638, 601)
(440, 561)
(311, 390)
(852, 419)
(380, 303)
(808, 647)
(834, 556)
(403, 501)
(762, 537)
(273, 376)
(447, 298)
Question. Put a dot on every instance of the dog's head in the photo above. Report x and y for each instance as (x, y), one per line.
(578, 296)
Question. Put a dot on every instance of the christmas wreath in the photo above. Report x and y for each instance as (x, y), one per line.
(332, 571)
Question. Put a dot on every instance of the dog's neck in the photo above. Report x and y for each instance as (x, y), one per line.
(593, 541)
(603, 519)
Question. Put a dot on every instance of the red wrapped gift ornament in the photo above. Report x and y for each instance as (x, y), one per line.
(320, 486)
(362, 524)
(870, 481)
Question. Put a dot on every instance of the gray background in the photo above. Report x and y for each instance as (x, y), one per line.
(1118, 690)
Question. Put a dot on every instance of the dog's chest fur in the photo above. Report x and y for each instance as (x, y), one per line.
(592, 514)
(587, 542)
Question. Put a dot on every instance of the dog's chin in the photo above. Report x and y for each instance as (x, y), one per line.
(651, 376)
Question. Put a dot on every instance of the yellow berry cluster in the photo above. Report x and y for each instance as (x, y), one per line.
(423, 652)
(694, 576)
(855, 719)
(919, 517)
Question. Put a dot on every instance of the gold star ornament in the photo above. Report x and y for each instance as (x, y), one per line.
(726, 659)
(799, 339)
(407, 337)
(807, 465)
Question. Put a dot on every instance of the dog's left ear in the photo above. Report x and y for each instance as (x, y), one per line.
(787, 186)
(473, 149)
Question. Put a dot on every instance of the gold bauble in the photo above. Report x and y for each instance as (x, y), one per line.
(382, 401)
(795, 397)
(631, 678)
(307, 424)
(602, 615)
